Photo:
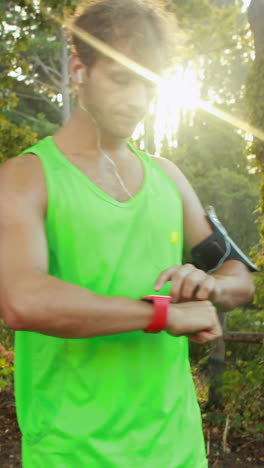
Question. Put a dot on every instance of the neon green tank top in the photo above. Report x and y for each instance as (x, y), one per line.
(113, 401)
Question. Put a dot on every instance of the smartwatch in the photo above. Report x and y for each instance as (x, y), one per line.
(160, 315)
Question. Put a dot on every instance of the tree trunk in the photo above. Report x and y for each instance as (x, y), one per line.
(65, 83)
(216, 367)
(256, 20)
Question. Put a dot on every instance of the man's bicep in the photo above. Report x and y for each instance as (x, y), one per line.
(23, 247)
(22, 237)
(196, 226)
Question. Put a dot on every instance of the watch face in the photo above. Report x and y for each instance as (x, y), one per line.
(152, 297)
(148, 298)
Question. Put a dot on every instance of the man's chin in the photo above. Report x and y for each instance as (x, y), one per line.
(123, 133)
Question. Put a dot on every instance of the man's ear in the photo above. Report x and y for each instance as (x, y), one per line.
(77, 69)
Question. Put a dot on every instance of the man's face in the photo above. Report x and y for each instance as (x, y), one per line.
(116, 98)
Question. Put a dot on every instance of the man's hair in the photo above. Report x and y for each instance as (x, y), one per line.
(144, 26)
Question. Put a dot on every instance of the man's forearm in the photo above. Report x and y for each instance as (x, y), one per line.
(51, 306)
(234, 286)
(45, 304)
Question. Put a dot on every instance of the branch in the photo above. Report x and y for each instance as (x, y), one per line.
(45, 85)
(28, 96)
(241, 337)
(226, 449)
(29, 117)
(53, 69)
(55, 72)
(41, 97)
(46, 70)
(52, 104)
(51, 61)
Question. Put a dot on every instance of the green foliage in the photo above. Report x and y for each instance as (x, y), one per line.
(6, 356)
(244, 320)
(6, 373)
(255, 95)
(43, 127)
(243, 379)
(242, 391)
(211, 155)
(241, 320)
(243, 387)
(6, 359)
(191, 9)
(259, 284)
(255, 102)
(40, 125)
(14, 139)
(224, 51)
(34, 65)
(6, 336)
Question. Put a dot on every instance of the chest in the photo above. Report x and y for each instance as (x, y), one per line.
(121, 179)
(103, 244)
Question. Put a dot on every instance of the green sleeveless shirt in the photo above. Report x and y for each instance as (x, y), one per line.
(113, 401)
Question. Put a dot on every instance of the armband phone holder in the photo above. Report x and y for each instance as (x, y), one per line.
(211, 253)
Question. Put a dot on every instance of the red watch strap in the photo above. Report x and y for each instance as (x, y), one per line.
(160, 316)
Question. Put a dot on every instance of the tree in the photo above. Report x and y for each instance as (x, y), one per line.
(210, 153)
(255, 16)
(34, 63)
(14, 138)
(255, 100)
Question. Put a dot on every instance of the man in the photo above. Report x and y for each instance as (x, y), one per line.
(90, 227)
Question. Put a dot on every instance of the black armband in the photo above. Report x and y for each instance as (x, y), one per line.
(211, 253)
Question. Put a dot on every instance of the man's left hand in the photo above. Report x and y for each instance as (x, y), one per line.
(188, 283)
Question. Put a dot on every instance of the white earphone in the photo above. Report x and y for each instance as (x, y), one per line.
(79, 76)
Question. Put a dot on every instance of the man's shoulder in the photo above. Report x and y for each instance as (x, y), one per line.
(23, 176)
(165, 163)
(170, 168)
(22, 166)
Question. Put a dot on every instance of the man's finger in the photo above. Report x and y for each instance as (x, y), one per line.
(167, 275)
(178, 282)
(208, 335)
(205, 288)
(198, 339)
(191, 283)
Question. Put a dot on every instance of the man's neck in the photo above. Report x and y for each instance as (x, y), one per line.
(81, 137)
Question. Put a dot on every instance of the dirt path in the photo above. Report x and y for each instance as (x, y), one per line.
(9, 432)
(245, 452)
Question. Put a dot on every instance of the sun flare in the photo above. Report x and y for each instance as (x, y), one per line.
(178, 94)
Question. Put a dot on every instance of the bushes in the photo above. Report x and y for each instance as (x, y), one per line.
(242, 390)
(6, 356)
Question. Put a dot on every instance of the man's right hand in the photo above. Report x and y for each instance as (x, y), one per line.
(197, 320)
